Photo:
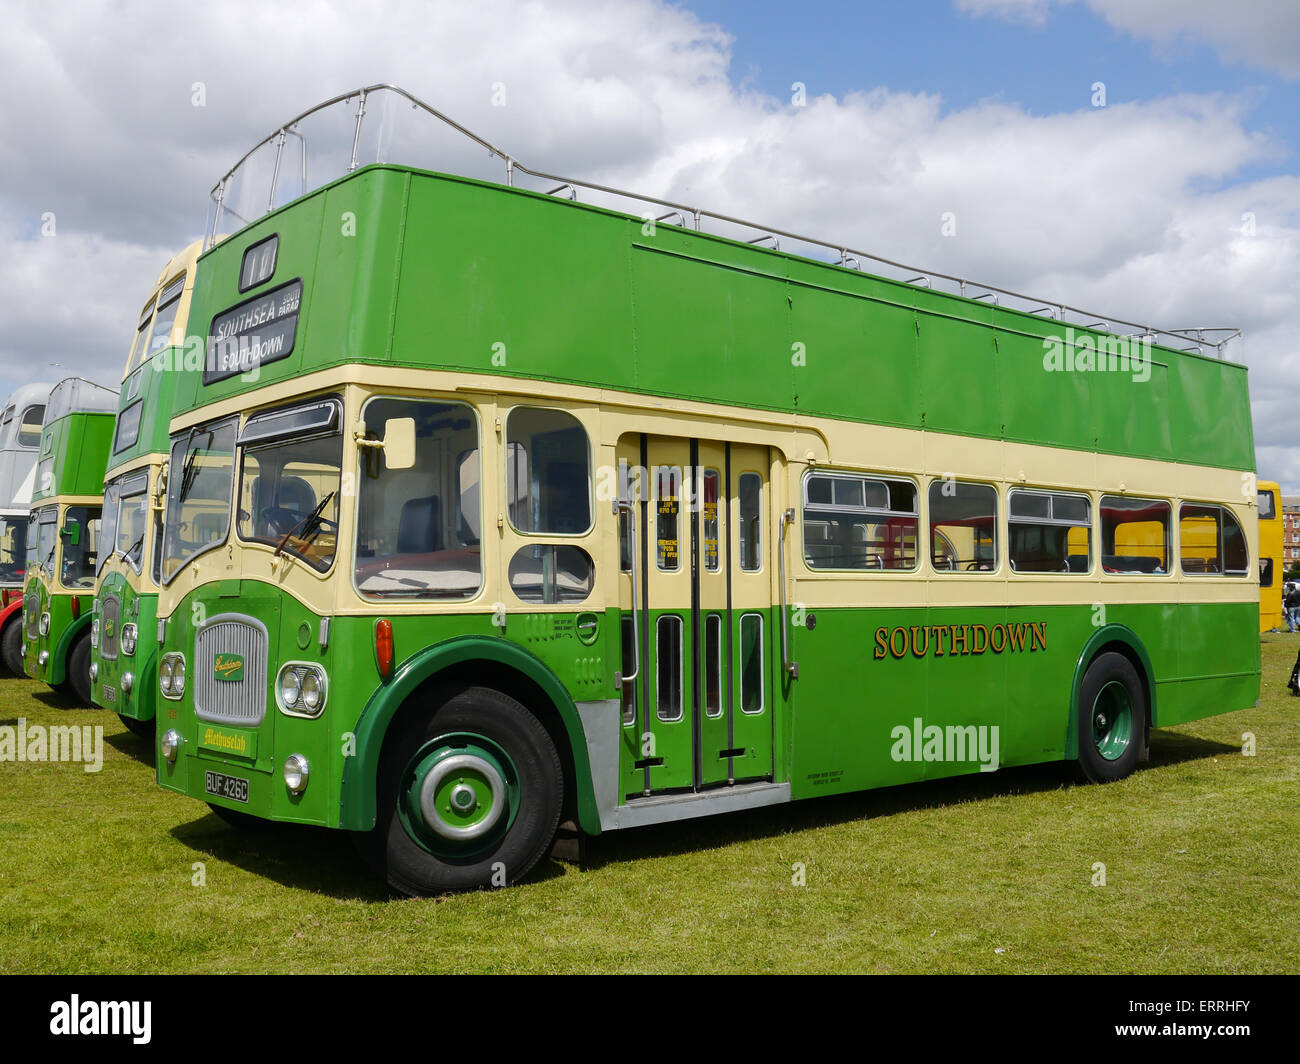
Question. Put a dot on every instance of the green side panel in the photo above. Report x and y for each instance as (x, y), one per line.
(855, 691)
(404, 266)
(80, 444)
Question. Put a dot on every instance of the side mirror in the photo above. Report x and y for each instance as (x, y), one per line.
(399, 443)
(71, 534)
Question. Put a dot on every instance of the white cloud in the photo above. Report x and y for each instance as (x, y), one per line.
(1134, 209)
(1263, 34)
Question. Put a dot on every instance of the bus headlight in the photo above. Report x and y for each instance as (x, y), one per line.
(169, 745)
(301, 688)
(296, 773)
(45, 624)
(128, 638)
(171, 675)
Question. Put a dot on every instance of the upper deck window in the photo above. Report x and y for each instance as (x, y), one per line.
(29, 428)
(128, 427)
(548, 472)
(169, 303)
(963, 526)
(859, 522)
(418, 525)
(1267, 505)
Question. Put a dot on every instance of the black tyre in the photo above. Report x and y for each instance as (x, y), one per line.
(11, 645)
(469, 796)
(78, 680)
(143, 728)
(1112, 718)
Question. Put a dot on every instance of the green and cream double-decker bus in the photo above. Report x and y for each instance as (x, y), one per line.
(499, 504)
(123, 669)
(63, 537)
(20, 439)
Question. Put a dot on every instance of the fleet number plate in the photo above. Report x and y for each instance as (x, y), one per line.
(223, 786)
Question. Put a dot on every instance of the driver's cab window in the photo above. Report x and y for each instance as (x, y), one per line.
(289, 481)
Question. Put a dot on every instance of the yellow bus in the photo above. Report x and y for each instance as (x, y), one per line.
(1270, 555)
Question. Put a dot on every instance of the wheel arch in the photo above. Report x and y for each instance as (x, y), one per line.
(487, 662)
(1119, 639)
(59, 657)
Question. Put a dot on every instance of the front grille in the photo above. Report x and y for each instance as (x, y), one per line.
(241, 701)
(110, 627)
(32, 607)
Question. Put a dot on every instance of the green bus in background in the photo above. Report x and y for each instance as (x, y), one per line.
(63, 538)
(123, 669)
(488, 508)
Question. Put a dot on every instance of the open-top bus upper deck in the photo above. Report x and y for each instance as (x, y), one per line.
(126, 581)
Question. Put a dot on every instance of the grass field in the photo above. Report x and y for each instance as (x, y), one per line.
(991, 873)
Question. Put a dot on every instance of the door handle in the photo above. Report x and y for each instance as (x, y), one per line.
(619, 506)
(791, 667)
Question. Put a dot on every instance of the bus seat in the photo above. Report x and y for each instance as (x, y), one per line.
(419, 529)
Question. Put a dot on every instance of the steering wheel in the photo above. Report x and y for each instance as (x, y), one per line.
(277, 520)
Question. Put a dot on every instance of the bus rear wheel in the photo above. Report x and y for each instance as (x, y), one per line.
(11, 645)
(1112, 716)
(469, 796)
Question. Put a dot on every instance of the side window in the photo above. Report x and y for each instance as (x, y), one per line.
(1210, 541)
(857, 522)
(548, 471)
(413, 523)
(963, 526)
(1049, 532)
(29, 429)
(1135, 535)
(749, 493)
(80, 534)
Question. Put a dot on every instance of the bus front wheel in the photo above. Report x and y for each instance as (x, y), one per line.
(469, 796)
(79, 671)
(1112, 716)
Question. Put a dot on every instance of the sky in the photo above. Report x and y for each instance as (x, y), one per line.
(1138, 157)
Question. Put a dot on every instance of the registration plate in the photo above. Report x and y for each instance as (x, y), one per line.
(223, 786)
(110, 693)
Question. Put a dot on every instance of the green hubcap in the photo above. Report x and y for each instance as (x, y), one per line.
(1112, 721)
(459, 795)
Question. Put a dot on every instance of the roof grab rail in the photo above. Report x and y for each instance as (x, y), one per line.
(988, 295)
(776, 244)
(673, 214)
(925, 281)
(1052, 311)
(573, 192)
(846, 258)
(1103, 326)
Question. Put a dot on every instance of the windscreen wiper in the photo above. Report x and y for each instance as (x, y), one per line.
(313, 516)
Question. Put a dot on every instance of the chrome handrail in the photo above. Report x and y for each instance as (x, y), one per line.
(619, 506)
(791, 668)
(1193, 336)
